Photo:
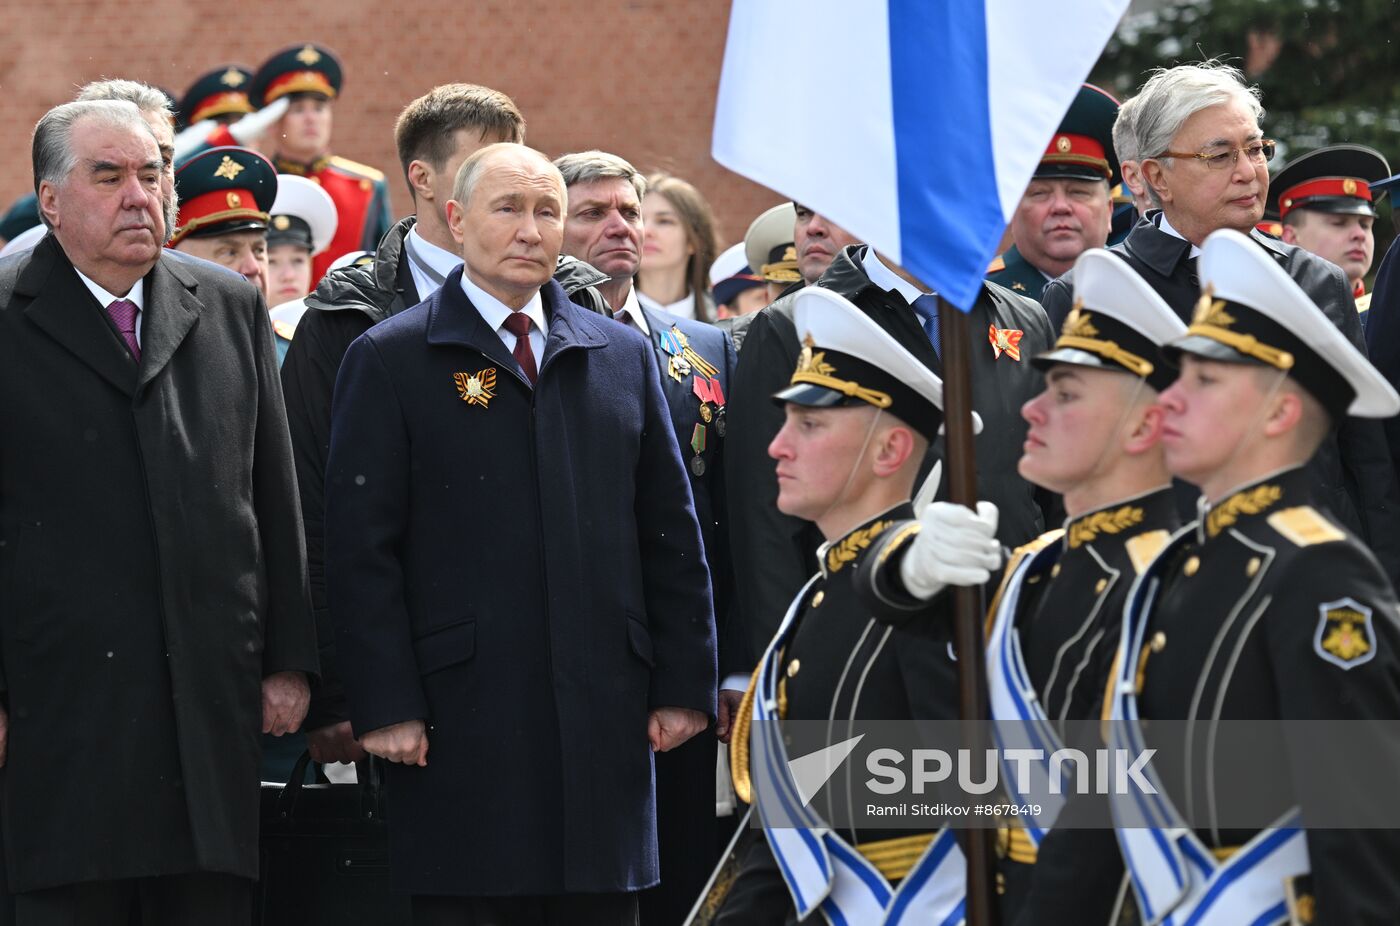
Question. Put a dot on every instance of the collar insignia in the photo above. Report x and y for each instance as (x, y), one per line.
(1088, 528)
(1249, 502)
(476, 388)
(850, 546)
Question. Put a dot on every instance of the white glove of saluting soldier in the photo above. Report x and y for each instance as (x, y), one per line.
(955, 546)
(247, 131)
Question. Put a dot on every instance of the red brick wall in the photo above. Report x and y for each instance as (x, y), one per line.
(636, 77)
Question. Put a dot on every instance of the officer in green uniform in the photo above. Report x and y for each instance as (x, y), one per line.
(220, 95)
(1067, 208)
(860, 413)
(1095, 437)
(310, 77)
(225, 195)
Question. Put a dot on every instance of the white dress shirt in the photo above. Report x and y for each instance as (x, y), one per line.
(495, 312)
(438, 260)
(885, 278)
(683, 308)
(1166, 226)
(632, 308)
(137, 296)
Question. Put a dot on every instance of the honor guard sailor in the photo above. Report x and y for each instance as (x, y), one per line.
(860, 412)
(1266, 609)
(1053, 627)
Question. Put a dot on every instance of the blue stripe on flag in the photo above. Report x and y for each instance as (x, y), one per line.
(950, 210)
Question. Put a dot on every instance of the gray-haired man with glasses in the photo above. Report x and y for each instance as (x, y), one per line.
(1190, 126)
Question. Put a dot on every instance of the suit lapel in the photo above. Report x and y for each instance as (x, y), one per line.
(569, 325)
(171, 311)
(64, 309)
(452, 319)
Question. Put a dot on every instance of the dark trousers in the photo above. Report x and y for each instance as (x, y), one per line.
(686, 830)
(759, 895)
(556, 910)
(195, 899)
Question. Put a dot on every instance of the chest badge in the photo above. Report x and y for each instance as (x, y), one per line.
(1005, 341)
(476, 388)
(1344, 634)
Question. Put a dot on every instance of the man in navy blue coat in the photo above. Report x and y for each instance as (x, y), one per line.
(515, 574)
(604, 227)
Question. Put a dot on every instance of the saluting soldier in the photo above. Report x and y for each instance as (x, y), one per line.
(1095, 436)
(310, 77)
(1267, 609)
(1068, 206)
(860, 412)
(1326, 205)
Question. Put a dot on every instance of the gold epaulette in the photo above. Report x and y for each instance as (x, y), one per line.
(1018, 554)
(1019, 847)
(895, 857)
(1363, 302)
(1143, 548)
(997, 265)
(1304, 526)
(739, 741)
(355, 167)
(283, 329)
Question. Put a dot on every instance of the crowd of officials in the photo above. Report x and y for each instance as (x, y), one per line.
(535, 493)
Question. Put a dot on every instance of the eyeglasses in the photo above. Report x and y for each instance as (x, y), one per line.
(1260, 152)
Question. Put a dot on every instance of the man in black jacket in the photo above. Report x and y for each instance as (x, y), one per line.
(1205, 165)
(773, 551)
(434, 135)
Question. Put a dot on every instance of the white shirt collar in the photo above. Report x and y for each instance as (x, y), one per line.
(495, 312)
(439, 259)
(681, 308)
(1166, 226)
(104, 298)
(885, 278)
(633, 308)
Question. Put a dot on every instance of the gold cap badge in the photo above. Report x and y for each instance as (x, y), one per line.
(308, 56)
(1062, 145)
(234, 200)
(281, 222)
(1078, 325)
(232, 78)
(1349, 186)
(228, 168)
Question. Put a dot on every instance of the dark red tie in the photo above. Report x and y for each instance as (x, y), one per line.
(123, 315)
(518, 324)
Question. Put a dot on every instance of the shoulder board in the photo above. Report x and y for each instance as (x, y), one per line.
(284, 330)
(1305, 526)
(355, 167)
(997, 265)
(1143, 548)
(1018, 554)
(1363, 302)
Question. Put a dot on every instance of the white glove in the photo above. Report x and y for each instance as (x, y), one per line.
(955, 546)
(251, 127)
(193, 137)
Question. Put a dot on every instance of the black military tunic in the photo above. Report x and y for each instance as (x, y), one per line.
(1276, 612)
(841, 664)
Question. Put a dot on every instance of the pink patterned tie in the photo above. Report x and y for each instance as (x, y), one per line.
(123, 315)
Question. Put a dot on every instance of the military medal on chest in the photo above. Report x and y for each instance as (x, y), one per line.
(476, 388)
(711, 397)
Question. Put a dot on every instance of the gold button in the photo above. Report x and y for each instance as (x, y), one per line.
(1159, 641)
(1253, 566)
(1100, 586)
(1191, 566)
(1055, 571)
(818, 598)
(793, 667)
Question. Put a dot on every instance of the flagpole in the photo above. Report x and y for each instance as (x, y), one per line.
(968, 607)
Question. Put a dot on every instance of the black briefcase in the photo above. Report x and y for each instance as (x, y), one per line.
(324, 854)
